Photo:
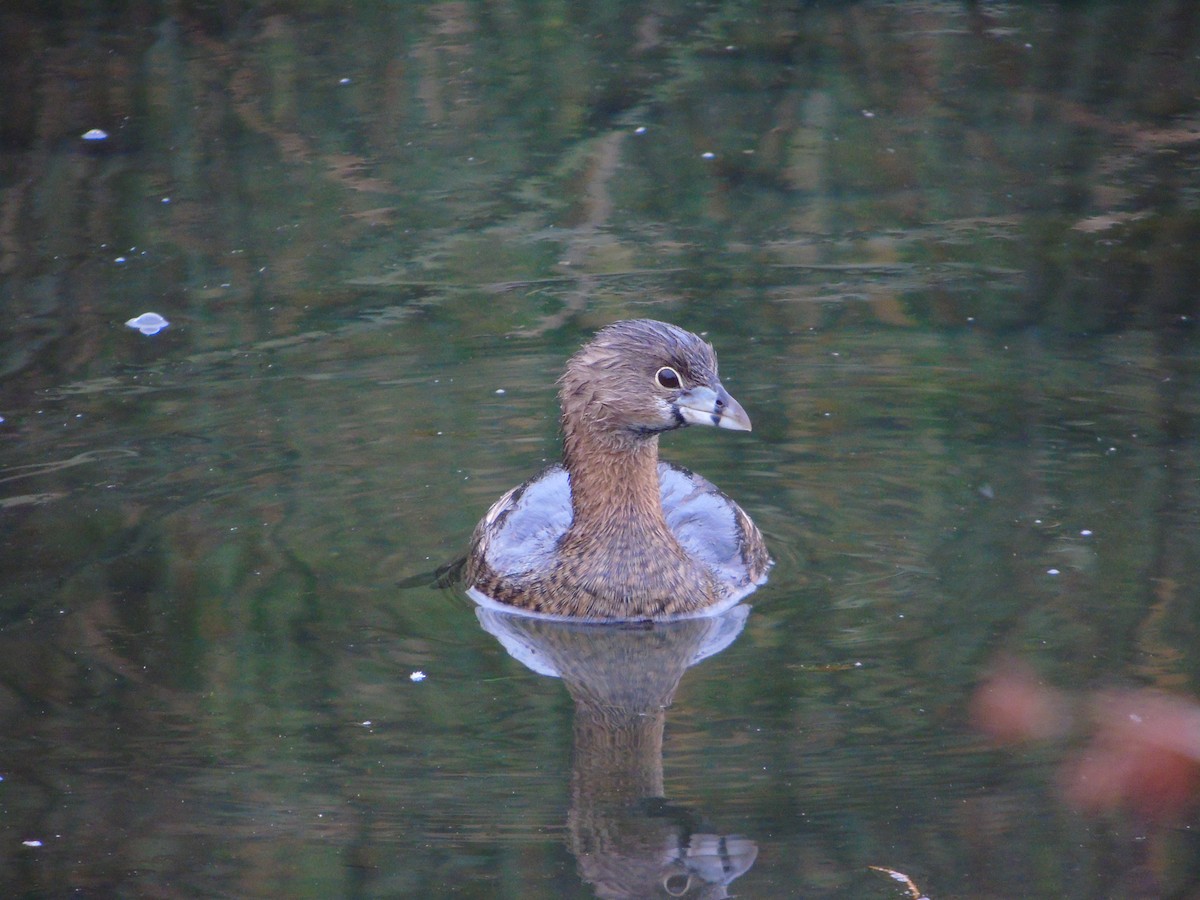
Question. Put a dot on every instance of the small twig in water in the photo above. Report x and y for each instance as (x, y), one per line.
(903, 879)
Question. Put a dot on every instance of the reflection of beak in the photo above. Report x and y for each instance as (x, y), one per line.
(706, 405)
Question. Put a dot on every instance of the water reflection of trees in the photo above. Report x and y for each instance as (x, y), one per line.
(1029, 145)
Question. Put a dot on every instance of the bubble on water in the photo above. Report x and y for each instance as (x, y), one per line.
(148, 323)
(95, 134)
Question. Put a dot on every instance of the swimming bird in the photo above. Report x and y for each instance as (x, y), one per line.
(613, 533)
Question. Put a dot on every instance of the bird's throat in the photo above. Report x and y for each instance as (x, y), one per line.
(614, 486)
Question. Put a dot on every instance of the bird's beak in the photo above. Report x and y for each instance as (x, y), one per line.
(706, 405)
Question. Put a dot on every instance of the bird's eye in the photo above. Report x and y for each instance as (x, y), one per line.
(668, 378)
(677, 884)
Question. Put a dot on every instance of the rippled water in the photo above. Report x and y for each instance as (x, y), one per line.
(947, 256)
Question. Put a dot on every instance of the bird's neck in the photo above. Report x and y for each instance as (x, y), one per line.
(622, 558)
(614, 482)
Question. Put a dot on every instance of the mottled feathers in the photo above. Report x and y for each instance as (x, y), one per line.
(612, 533)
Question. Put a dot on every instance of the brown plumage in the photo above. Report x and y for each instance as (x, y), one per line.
(592, 538)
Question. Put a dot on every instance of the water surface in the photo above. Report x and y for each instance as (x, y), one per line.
(947, 255)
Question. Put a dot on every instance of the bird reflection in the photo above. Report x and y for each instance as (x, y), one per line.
(627, 839)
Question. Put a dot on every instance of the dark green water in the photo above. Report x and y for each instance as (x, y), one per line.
(948, 255)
